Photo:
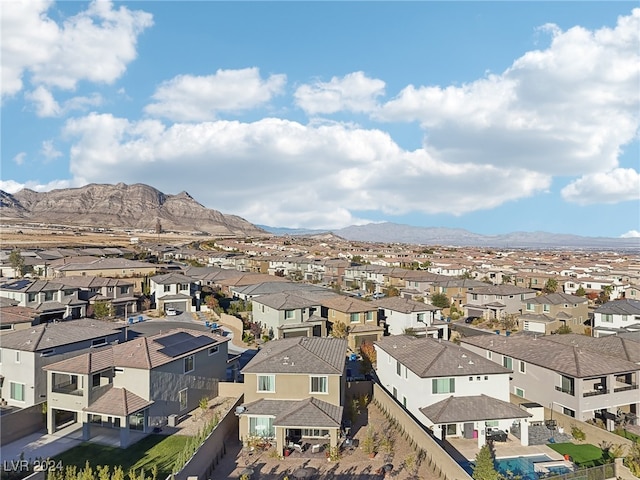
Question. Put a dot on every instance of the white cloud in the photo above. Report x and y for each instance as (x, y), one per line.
(11, 186)
(19, 158)
(49, 151)
(618, 185)
(565, 110)
(280, 172)
(44, 103)
(631, 234)
(95, 45)
(201, 98)
(354, 92)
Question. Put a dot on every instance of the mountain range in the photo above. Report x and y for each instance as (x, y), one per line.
(140, 206)
(136, 206)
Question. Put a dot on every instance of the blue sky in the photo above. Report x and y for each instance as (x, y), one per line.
(490, 116)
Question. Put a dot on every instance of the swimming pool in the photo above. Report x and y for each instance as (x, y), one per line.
(523, 467)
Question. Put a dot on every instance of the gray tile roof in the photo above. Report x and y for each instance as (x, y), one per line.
(471, 409)
(501, 290)
(404, 305)
(286, 301)
(572, 361)
(307, 413)
(313, 355)
(619, 346)
(171, 279)
(342, 303)
(118, 402)
(625, 306)
(428, 357)
(279, 287)
(51, 335)
(557, 299)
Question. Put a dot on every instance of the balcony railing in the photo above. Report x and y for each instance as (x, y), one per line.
(68, 389)
(626, 388)
(566, 390)
(595, 392)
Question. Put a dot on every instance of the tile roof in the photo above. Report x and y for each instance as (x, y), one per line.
(404, 305)
(623, 347)
(572, 361)
(50, 335)
(312, 355)
(428, 357)
(625, 306)
(306, 413)
(472, 408)
(557, 299)
(345, 304)
(118, 402)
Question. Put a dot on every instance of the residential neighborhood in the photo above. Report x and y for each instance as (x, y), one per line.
(310, 341)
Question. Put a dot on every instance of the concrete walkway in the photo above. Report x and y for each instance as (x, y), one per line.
(43, 445)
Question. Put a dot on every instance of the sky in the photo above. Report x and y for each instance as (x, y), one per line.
(494, 117)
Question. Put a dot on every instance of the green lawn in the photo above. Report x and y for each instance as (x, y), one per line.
(623, 433)
(160, 450)
(585, 455)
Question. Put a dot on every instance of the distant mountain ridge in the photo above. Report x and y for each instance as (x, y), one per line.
(388, 232)
(136, 206)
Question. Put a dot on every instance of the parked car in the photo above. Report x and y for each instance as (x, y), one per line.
(470, 319)
(171, 311)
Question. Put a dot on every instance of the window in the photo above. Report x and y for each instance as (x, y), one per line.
(567, 385)
(315, 433)
(607, 317)
(17, 357)
(213, 350)
(489, 355)
(261, 426)
(31, 297)
(474, 296)
(98, 342)
(188, 364)
(95, 380)
(167, 288)
(124, 290)
(471, 379)
(319, 385)
(568, 411)
(507, 362)
(624, 318)
(443, 385)
(404, 401)
(48, 296)
(6, 326)
(395, 392)
(184, 286)
(421, 317)
(369, 316)
(519, 392)
(289, 314)
(17, 391)
(406, 372)
(398, 368)
(546, 308)
(354, 317)
(530, 307)
(182, 399)
(266, 383)
(451, 429)
(46, 353)
(523, 367)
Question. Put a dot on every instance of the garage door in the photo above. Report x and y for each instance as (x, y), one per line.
(180, 306)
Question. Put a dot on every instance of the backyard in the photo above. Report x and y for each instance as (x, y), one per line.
(582, 455)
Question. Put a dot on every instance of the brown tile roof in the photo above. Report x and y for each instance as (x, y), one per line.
(472, 408)
(306, 413)
(118, 402)
(404, 305)
(306, 355)
(345, 304)
(428, 357)
(572, 361)
(623, 347)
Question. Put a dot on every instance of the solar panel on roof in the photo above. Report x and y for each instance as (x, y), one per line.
(181, 348)
(173, 338)
(17, 285)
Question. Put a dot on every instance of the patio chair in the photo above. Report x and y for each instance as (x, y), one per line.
(298, 448)
(316, 448)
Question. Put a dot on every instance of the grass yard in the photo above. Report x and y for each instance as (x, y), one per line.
(160, 450)
(585, 455)
(623, 433)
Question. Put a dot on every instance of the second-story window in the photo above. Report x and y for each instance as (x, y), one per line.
(266, 383)
(354, 317)
(48, 296)
(398, 368)
(546, 308)
(319, 385)
(289, 314)
(31, 297)
(189, 364)
(369, 316)
(167, 288)
(530, 307)
(507, 362)
(443, 385)
(607, 317)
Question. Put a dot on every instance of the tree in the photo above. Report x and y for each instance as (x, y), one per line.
(102, 309)
(16, 260)
(551, 286)
(440, 300)
(339, 330)
(507, 279)
(484, 468)
(581, 292)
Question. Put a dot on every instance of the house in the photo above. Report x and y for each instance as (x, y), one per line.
(547, 313)
(26, 352)
(115, 292)
(14, 317)
(289, 314)
(400, 314)
(174, 290)
(583, 383)
(137, 385)
(294, 391)
(52, 300)
(451, 391)
(496, 301)
(360, 318)
(455, 289)
(616, 316)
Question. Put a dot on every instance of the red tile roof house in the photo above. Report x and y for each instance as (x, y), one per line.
(137, 385)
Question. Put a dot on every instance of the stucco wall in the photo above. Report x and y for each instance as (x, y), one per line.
(19, 423)
(444, 465)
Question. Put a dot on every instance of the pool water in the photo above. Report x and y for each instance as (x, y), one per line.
(521, 467)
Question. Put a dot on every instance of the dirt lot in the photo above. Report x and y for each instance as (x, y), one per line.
(353, 465)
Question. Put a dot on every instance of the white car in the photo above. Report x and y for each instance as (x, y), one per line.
(170, 311)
